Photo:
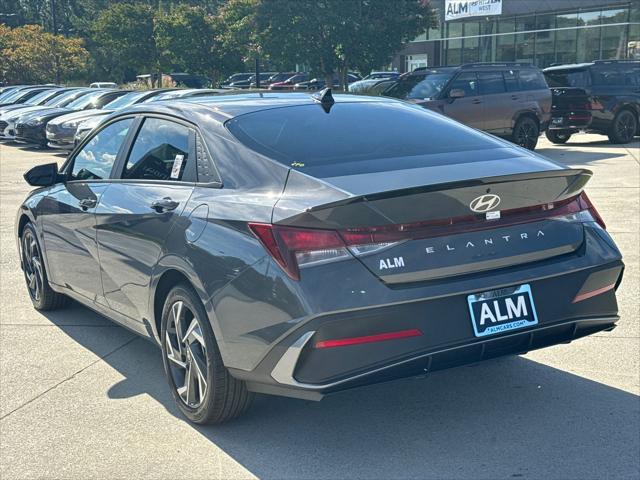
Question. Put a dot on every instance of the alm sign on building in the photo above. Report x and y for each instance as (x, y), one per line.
(455, 9)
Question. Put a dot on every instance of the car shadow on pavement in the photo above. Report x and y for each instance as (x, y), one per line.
(562, 154)
(509, 417)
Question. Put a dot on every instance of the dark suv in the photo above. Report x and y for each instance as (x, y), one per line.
(600, 97)
(511, 100)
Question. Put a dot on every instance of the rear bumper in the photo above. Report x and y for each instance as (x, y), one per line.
(574, 120)
(421, 363)
(574, 296)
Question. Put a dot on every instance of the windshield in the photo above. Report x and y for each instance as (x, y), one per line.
(86, 100)
(13, 96)
(40, 98)
(419, 86)
(124, 101)
(7, 94)
(236, 77)
(64, 99)
(567, 78)
(354, 138)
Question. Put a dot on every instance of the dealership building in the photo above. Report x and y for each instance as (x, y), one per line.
(542, 32)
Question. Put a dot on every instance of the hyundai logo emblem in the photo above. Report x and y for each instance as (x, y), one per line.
(484, 203)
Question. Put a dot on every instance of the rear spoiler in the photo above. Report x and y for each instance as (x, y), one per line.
(428, 202)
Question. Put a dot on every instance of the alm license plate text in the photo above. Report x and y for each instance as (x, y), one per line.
(502, 310)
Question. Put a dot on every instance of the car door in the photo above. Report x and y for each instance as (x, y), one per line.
(68, 213)
(498, 104)
(468, 109)
(136, 214)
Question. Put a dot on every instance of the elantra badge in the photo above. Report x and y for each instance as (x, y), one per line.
(484, 203)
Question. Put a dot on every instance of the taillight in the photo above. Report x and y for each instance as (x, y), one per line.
(587, 205)
(294, 248)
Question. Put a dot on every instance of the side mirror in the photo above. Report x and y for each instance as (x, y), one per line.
(42, 175)
(456, 93)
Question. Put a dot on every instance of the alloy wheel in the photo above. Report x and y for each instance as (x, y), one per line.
(32, 263)
(525, 135)
(187, 355)
(625, 126)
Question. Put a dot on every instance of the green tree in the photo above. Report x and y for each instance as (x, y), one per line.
(186, 41)
(28, 54)
(123, 42)
(329, 35)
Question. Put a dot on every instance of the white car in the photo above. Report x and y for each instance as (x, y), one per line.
(103, 85)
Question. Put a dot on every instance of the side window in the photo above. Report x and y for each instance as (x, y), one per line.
(532, 80)
(96, 159)
(511, 81)
(491, 82)
(467, 82)
(160, 151)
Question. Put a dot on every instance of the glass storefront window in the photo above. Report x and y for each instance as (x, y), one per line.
(566, 40)
(616, 15)
(454, 52)
(470, 50)
(545, 40)
(588, 18)
(566, 20)
(614, 42)
(454, 29)
(588, 44)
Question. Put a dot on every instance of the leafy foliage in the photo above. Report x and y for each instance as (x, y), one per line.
(216, 37)
(123, 41)
(186, 40)
(30, 55)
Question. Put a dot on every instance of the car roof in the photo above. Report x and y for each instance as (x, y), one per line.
(225, 107)
(570, 66)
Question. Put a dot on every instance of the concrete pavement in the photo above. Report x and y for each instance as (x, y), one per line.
(83, 398)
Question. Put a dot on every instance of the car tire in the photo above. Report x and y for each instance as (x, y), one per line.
(35, 273)
(202, 387)
(526, 133)
(624, 127)
(558, 137)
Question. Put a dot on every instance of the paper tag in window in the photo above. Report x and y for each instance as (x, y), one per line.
(177, 166)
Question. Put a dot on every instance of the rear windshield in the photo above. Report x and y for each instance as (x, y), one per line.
(419, 86)
(352, 137)
(567, 78)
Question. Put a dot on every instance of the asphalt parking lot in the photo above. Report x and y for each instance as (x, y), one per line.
(81, 397)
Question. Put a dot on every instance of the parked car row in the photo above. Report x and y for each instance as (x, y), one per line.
(518, 101)
(57, 117)
(299, 81)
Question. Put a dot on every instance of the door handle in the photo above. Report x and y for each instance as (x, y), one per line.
(87, 203)
(515, 97)
(477, 102)
(165, 204)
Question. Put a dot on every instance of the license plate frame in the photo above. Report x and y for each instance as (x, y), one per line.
(507, 309)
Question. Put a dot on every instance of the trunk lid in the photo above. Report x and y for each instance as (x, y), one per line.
(441, 229)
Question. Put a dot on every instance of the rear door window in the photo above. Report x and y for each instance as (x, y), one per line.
(468, 82)
(491, 83)
(532, 80)
(160, 151)
(511, 80)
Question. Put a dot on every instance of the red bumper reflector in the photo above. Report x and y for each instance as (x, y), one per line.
(381, 337)
(592, 293)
